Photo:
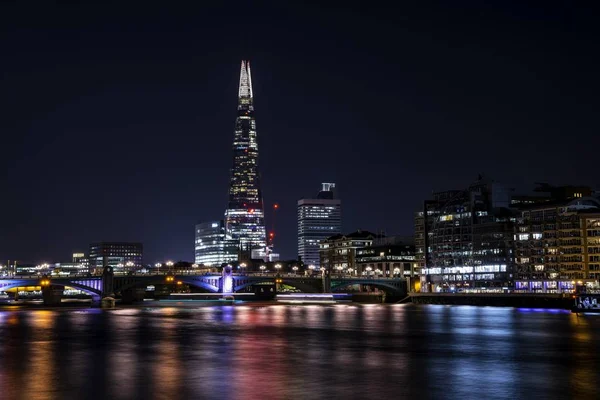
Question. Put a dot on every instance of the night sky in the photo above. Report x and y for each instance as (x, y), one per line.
(116, 121)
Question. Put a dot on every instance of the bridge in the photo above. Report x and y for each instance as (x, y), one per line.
(126, 286)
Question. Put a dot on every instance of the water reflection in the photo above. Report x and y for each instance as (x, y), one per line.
(283, 352)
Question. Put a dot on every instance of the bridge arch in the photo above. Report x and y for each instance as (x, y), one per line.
(84, 288)
(302, 286)
(391, 288)
(189, 280)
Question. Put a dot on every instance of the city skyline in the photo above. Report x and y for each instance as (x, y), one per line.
(124, 135)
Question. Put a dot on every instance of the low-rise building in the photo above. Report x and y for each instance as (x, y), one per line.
(338, 253)
(389, 258)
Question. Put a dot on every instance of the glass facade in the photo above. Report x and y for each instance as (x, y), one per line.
(464, 240)
(116, 255)
(244, 217)
(212, 247)
(318, 219)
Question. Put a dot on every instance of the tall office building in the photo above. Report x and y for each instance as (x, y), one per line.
(122, 256)
(318, 219)
(212, 247)
(464, 237)
(244, 217)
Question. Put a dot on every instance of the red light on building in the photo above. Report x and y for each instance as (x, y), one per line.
(276, 206)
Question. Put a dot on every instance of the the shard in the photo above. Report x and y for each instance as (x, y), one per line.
(244, 217)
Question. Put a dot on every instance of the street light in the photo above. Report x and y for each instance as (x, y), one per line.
(262, 268)
(129, 264)
(368, 270)
(312, 268)
(277, 267)
(158, 265)
(350, 271)
(170, 265)
(295, 269)
(396, 271)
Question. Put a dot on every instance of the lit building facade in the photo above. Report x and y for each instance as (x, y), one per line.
(244, 216)
(318, 219)
(464, 240)
(338, 253)
(558, 246)
(79, 265)
(212, 248)
(122, 256)
(388, 257)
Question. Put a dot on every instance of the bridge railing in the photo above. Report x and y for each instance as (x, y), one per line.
(196, 273)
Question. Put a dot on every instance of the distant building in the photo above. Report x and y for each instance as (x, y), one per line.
(558, 245)
(212, 247)
(266, 254)
(545, 193)
(338, 253)
(80, 264)
(122, 256)
(388, 257)
(318, 219)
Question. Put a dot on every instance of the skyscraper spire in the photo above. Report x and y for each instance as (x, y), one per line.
(245, 89)
(244, 217)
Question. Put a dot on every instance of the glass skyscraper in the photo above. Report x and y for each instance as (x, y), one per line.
(211, 245)
(318, 219)
(244, 217)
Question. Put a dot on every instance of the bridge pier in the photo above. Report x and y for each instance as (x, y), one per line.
(108, 282)
(52, 295)
(326, 282)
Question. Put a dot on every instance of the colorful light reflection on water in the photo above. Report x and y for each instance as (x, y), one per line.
(289, 352)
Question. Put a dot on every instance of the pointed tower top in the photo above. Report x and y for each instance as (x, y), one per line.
(245, 89)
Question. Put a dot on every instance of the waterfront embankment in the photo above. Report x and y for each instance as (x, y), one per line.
(531, 300)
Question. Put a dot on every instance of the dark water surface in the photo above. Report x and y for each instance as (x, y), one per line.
(299, 352)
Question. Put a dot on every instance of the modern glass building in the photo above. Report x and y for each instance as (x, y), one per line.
(318, 219)
(122, 256)
(244, 216)
(212, 247)
(464, 239)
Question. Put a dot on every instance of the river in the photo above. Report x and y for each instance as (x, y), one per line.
(298, 352)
